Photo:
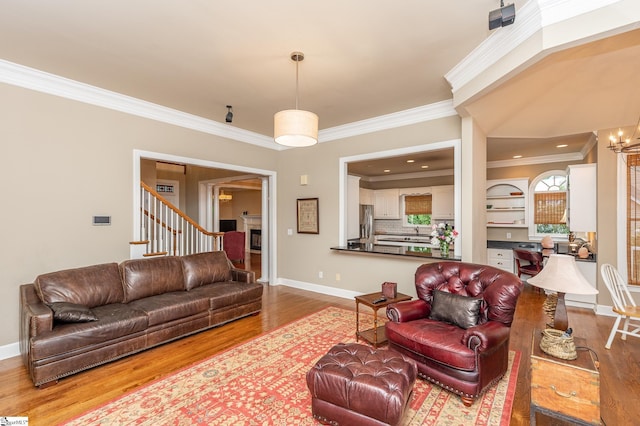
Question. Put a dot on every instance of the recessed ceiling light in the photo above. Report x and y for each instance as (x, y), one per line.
(411, 161)
(564, 145)
(387, 170)
(517, 156)
(424, 167)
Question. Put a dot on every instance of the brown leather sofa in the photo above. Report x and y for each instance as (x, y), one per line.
(458, 329)
(79, 318)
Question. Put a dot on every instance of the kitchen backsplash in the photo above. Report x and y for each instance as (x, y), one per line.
(386, 226)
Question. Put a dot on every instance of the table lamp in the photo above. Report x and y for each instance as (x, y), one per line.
(561, 274)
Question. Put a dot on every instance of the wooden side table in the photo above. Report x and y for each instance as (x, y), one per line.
(376, 335)
(562, 389)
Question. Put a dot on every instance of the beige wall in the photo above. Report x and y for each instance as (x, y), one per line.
(302, 256)
(65, 161)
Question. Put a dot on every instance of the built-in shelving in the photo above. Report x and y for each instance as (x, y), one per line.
(507, 203)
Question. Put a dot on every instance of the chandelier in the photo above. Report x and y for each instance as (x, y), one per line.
(619, 144)
(225, 197)
(294, 127)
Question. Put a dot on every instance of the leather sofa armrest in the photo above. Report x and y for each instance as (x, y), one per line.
(35, 316)
(243, 276)
(408, 311)
(487, 335)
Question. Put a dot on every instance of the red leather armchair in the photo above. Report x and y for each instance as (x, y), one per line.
(233, 245)
(465, 359)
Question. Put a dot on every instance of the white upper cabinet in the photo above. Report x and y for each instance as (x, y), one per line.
(442, 202)
(582, 197)
(366, 196)
(386, 204)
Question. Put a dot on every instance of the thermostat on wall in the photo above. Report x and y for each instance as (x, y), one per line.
(102, 220)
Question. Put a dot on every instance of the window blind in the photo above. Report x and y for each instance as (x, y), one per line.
(417, 204)
(549, 207)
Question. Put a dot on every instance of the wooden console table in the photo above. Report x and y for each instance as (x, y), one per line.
(376, 335)
(562, 389)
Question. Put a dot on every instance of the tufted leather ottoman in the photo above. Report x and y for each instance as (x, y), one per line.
(356, 385)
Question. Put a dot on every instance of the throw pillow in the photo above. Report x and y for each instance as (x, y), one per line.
(72, 312)
(460, 310)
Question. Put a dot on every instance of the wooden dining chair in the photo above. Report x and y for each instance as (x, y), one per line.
(623, 305)
(527, 262)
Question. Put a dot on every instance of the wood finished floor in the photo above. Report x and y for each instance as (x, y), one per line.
(619, 371)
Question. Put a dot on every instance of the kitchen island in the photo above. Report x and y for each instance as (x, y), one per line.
(404, 251)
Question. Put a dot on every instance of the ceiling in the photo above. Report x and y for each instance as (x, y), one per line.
(363, 59)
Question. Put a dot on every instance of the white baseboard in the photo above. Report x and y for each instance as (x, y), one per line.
(316, 288)
(10, 350)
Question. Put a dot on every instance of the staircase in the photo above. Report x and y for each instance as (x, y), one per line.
(166, 230)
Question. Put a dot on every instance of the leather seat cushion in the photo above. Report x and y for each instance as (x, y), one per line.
(114, 321)
(167, 307)
(434, 340)
(375, 383)
(229, 294)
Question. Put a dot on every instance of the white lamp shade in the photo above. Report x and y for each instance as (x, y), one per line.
(296, 128)
(561, 274)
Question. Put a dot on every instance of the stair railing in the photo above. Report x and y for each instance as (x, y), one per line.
(165, 229)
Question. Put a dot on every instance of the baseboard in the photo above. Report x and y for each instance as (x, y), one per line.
(10, 350)
(329, 291)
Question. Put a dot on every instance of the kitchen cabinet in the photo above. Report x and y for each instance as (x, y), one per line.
(442, 202)
(581, 211)
(501, 259)
(590, 271)
(507, 203)
(386, 204)
(366, 196)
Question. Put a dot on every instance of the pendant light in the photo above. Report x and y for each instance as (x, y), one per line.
(294, 127)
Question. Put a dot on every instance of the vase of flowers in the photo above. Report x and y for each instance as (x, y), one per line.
(443, 235)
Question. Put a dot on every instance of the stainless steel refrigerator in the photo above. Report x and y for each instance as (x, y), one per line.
(366, 223)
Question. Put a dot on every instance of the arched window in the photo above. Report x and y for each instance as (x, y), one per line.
(548, 201)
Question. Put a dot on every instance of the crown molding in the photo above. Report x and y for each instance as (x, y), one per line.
(531, 18)
(543, 159)
(40, 81)
(389, 121)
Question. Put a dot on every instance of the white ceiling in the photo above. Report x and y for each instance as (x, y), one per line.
(363, 59)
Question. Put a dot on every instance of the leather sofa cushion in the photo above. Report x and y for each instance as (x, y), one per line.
(148, 277)
(205, 268)
(114, 321)
(435, 340)
(90, 286)
(229, 294)
(167, 307)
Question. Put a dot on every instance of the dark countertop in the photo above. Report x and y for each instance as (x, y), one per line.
(406, 251)
(534, 246)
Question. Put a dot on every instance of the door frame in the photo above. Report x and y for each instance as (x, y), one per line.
(269, 184)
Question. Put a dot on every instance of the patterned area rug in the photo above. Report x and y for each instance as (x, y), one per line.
(263, 382)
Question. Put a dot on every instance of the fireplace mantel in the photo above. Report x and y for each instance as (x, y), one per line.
(251, 221)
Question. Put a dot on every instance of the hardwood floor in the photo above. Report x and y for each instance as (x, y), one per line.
(619, 367)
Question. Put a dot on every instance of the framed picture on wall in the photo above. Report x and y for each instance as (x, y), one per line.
(308, 216)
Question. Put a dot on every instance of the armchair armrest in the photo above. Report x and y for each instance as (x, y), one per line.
(487, 335)
(408, 310)
(242, 275)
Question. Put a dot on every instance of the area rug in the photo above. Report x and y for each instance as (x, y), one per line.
(262, 382)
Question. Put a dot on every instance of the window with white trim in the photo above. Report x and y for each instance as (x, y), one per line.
(548, 201)
(416, 210)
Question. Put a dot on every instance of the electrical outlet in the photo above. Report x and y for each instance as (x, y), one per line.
(508, 235)
(337, 277)
(289, 231)
(320, 274)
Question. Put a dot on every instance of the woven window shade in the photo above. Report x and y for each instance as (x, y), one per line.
(417, 204)
(549, 207)
(633, 218)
